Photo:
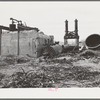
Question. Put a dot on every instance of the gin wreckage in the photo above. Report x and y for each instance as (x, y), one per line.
(20, 39)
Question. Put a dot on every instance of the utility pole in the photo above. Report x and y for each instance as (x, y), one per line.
(13, 29)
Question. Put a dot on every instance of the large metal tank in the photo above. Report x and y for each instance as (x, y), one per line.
(52, 51)
(93, 41)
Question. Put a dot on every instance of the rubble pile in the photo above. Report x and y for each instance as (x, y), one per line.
(65, 70)
(27, 80)
(49, 77)
(88, 54)
(12, 59)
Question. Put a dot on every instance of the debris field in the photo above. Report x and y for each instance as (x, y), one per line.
(72, 69)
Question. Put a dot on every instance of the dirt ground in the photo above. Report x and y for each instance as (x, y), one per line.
(67, 70)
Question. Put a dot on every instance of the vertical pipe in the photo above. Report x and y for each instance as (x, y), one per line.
(66, 27)
(76, 32)
(76, 26)
(0, 40)
(18, 41)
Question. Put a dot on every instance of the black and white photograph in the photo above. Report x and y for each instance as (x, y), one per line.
(49, 44)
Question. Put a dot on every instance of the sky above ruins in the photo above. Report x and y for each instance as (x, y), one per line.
(50, 17)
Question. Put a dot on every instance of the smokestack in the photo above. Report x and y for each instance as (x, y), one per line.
(66, 27)
(76, 26)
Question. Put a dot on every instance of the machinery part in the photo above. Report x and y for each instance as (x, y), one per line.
(12, 27)
(20, 26)
(4, 27)
(52, 51)
(69, 35)
(93, 41)
(76, 27)
(66, 27)
(67, 48)
(15, 20)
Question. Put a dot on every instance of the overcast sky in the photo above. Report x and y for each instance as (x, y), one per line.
(50, 17)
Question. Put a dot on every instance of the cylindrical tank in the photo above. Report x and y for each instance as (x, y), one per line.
(93, 41)
(54, 50)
